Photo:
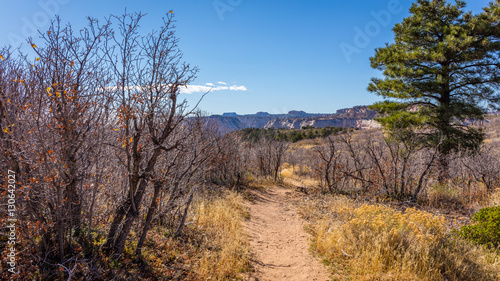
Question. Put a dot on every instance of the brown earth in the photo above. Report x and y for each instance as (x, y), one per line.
(278, 241)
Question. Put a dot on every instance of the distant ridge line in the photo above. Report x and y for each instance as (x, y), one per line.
(356, 117)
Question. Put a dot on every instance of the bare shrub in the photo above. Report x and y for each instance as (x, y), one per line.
(330, 168)
(268, 155)
(373, 163)
(483, 167)
(228, 164)
(148, 74)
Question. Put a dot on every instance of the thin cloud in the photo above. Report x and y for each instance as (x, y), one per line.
(238, 88)
(190, 89)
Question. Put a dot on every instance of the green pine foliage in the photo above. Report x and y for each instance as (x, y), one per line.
(441, 72)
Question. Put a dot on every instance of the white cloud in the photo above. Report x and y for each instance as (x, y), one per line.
(238, 88)
(223, 83)
(194, 89)
(190, 89)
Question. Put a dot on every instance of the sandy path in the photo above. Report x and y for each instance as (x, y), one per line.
(278, 240)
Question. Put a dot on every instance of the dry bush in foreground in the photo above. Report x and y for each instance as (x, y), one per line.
(106, 153)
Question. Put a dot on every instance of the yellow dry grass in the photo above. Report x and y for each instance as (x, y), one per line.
(213, 246)
(222, 222)
(375, 242)
(306, 144)
(299, 173)
(494, 199)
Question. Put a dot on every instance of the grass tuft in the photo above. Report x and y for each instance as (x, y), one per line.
(375, 242)
(222, 222)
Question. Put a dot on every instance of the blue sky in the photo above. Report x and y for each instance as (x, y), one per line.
(272, 56)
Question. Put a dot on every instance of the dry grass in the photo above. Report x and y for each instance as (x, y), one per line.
(300, 174)
(306, 144)
(375, 242)
(465, 200)
(213, 245)
(494, 199)
(222, 221)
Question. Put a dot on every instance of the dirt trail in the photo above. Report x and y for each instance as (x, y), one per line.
(278, 240)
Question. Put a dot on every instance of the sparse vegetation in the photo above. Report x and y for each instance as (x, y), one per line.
(376, 242)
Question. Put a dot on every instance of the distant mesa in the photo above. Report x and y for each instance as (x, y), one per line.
(262, 113)
(360, 117)
(356, 117)
(297, 113)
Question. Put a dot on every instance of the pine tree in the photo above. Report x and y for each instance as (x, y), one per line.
(442, 70)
